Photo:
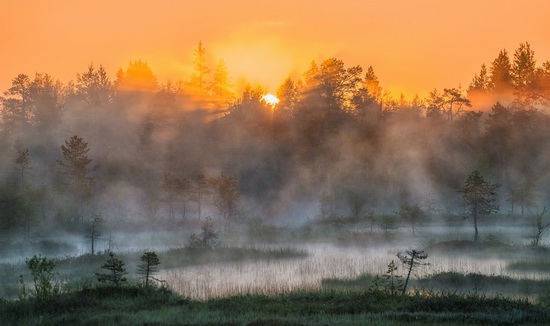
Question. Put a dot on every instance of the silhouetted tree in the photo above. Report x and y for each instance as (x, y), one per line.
(137, 77)
(541, 84)
(523, 67)
(94, 233)
(93, 87)
(501, 73)
(17, 109)
(481, 82)
(47, 97)
(289, 94)
(479, 197)
(394, 284)
(115, 271)
(249, 112)
(333, 83)
(76, 168)
(412, 259)
(454, 102)
(149, 266)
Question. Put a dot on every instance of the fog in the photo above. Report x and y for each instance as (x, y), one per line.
(335, 148)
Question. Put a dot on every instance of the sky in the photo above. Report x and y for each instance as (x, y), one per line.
(413, 46)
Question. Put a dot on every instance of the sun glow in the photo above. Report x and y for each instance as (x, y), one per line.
(270, 99)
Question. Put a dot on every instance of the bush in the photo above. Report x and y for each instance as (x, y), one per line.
(42, 274)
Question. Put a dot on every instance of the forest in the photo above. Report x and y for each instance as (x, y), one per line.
(137, 152)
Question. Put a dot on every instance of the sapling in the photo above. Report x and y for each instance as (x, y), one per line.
(149, 266)
(412, 259)
(116, 273)
(394, 282)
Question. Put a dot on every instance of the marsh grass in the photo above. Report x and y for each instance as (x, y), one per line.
(453, 282)
(74, 272)
(326, 261)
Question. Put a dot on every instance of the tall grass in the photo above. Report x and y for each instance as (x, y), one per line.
(222, 279)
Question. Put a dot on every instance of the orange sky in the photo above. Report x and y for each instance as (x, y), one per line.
(413, 46)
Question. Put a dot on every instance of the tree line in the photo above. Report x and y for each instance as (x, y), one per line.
(336, 140)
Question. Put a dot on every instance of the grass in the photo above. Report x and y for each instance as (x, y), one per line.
(455, 282)
(159, 306)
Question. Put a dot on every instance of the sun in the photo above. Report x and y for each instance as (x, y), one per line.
(270, 99)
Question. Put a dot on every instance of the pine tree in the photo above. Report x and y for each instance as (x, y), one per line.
(480, 83)
(479, 197)
(501, 76)
(76, 169)
(411, 260)
(523, 67)
(201, 70)
(289, 95)
(93, 87)
(148, 267)
(116, 272)
(221, 84)
(394, 284)
(16, 106)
